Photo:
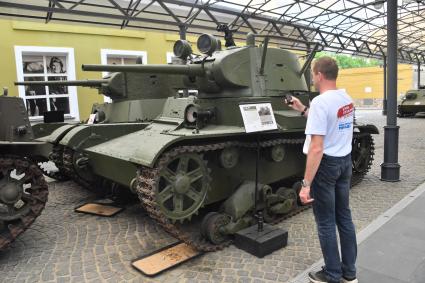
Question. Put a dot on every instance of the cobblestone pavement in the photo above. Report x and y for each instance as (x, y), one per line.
(64, 246)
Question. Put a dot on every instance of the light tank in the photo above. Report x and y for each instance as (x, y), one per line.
(186, 154)
(23, 189)
(412, 103)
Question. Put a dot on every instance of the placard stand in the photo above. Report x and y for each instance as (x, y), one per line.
(261, 239)
(258, 214)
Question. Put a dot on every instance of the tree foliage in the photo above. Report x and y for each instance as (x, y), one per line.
(347, 61)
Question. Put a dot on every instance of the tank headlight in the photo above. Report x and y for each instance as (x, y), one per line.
(100, 116)
(191, 114)
(208, 44)
(182, 49)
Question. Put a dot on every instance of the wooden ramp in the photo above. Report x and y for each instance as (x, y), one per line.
(100, 209)
(165, 258)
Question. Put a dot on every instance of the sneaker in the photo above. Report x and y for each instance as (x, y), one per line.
(347, 280)
(319, 277)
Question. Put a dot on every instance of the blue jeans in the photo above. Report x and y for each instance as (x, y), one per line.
(330, 190)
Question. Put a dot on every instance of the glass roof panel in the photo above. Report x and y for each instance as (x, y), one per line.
(332, 23)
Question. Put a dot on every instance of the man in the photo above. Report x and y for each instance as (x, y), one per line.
(327, 177)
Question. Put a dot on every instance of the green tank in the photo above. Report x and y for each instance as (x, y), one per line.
(412, 103)
(174, 136)
(23, 189)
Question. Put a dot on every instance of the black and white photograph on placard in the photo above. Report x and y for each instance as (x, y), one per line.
(265, 115)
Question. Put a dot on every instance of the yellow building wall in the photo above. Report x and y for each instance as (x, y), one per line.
(87, 42)
(358, 81)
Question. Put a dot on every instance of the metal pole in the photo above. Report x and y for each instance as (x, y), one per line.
(307, 74)
(182, 32)
(258, 214)
(390, 169)
(384, 102)
(419, 74)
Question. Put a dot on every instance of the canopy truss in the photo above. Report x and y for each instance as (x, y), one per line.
(349, 26)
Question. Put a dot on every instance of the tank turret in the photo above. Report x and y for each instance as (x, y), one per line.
(234, 72)
(125, 85)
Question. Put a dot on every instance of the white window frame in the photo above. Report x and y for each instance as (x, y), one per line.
(104, 59)
(43, 51)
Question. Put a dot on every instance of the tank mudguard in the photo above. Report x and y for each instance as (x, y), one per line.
(367, 128)
(45, 129)
(57, 134)
(84, 136)
(142, 147)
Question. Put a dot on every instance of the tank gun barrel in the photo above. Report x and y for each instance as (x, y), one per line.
(87, 83)
(189, 70)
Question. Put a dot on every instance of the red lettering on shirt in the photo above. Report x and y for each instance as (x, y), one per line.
(345, 110)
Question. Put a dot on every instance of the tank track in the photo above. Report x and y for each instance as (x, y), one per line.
(190, 234)
(147, 178)
(56, 157)
(357, 177)
(93, 186)
(9, 231)
(68, 165)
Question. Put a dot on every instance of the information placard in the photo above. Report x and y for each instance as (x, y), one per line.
(258, 117)
(92, 118)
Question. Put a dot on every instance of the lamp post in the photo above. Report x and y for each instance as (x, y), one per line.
(390, 169)
(384, 102)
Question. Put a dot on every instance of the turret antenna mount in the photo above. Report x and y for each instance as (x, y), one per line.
(228, 34)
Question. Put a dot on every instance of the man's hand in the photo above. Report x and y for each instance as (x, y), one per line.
(296, 104)
(305, 195)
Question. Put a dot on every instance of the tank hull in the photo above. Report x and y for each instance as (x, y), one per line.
(412, 103)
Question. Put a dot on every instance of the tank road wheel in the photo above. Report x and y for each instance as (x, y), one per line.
(290, 197)
(362, 156)
(76, 166)
(182, 186)
(211, 226)
(23, 195)
(56, 156)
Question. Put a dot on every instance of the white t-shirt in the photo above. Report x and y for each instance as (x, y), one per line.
(331, 115)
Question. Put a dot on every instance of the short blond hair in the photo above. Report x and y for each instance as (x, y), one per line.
(327, 66)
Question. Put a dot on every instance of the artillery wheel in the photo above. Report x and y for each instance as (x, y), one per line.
(182, 185)
(23, 195)
(211, 225)
(288, 194)
(363, 150)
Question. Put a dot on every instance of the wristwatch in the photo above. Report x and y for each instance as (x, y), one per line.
(305, 110)
(304, 183)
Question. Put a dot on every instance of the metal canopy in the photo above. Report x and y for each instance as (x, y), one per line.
(349, 26)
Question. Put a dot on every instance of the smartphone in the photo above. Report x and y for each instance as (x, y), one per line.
(288, 99)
